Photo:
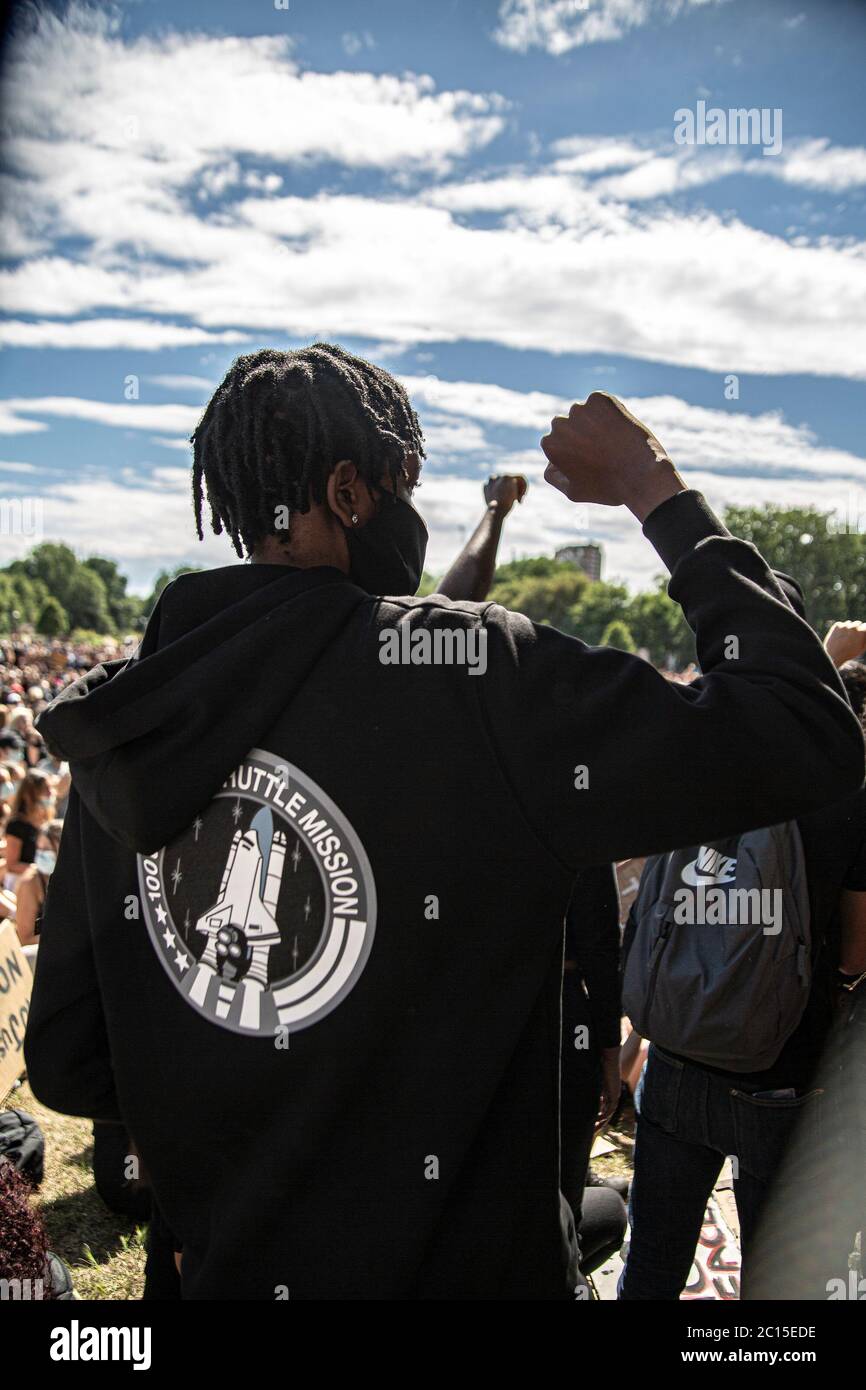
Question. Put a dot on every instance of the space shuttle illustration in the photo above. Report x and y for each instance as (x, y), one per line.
(241, 926)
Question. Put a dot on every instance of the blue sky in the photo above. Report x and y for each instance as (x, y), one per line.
(488, 197)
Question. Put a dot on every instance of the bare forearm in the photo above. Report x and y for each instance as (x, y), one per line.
(28, 905)
(472, 573)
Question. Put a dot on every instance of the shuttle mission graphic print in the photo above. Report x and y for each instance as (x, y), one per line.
(263, 910)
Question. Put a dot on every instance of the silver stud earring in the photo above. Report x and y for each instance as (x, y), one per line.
(354, 518)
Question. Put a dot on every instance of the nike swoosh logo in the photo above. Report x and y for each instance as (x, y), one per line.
(694, 878)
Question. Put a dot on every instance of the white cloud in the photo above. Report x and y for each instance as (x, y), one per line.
(733, 445)
(166, 443)
(100, 126)
(173, 382)
(602, 171)
(560, 25)
(493, 404)
(731, 455)
(694, 290)
(145, 525)
(119, 414)
(727, 440)
(761, 454)
(153, 151)
(666, 174)
(593, 154)
(451, 435)
(546, 520)
(145, 335)
(575, 258)
(817, 164)
(12, 423)
(114, 142)
(267, 183)
(353, 43)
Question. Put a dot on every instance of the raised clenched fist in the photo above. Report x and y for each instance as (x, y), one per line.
(599, 452)
(845, 642)
(505, 490)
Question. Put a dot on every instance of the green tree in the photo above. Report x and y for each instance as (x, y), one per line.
(657, 624)
(826, 559)
(8, 602)
(17, 596)
(52, 570)
(534, 567)
(27, 595)
(86, 601)
(53, 563)
(53, 620)
(601, 604)
(545, 598)
(616, 634)
(125, 609)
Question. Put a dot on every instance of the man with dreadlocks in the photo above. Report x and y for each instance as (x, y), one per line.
(265, 451)
(316, 964)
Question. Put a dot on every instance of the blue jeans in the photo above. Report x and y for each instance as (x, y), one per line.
(690, 1121)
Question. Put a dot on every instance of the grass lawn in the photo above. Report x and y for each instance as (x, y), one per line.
(105, 1252)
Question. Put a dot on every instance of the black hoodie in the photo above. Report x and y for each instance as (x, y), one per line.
(305, 931)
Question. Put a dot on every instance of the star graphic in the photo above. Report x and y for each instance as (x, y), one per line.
(181, 960)
(197, 825)
(176, 876)
(296, 856)
(161, 915)
(307, 909)
(169, 938)
(236, 811)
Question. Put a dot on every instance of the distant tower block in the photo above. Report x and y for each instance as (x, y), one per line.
(586, 557)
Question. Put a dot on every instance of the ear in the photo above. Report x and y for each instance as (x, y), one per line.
(348, 495)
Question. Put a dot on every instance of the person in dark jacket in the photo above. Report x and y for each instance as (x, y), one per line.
(304, 936)
(693, 1116)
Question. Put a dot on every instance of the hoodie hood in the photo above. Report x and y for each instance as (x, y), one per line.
(151, 740)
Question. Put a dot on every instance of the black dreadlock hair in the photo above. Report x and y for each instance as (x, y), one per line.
(279, 423)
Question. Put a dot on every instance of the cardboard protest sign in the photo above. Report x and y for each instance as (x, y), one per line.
(16, 982)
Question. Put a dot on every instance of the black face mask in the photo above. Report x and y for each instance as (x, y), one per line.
(387, 555)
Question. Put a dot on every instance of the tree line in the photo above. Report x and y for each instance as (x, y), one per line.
(60, 595)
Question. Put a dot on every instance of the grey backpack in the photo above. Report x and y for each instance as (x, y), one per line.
(720, 964)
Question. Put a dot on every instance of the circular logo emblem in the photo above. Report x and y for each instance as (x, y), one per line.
(263, 910)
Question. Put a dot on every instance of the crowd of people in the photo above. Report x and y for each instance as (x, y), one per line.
(34, 785)
(34, 793)
(428, 1132)
(596, 1079)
